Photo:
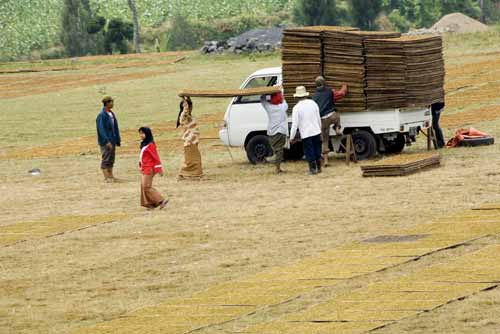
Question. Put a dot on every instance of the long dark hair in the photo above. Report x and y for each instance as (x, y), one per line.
(149, 136)
(181, 109)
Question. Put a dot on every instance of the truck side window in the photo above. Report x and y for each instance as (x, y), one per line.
(257, 82)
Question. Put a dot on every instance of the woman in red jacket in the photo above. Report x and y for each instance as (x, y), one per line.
(150, 165)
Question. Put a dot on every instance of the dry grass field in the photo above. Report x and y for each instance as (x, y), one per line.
(76, 252)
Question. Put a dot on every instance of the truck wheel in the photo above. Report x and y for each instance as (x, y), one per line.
(296, 152)
(258, 148)
(395, 146)
(364, 143)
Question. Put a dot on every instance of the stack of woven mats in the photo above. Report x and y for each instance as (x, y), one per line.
(401, 165)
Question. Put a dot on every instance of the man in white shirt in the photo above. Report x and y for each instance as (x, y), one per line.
(277, 128)
(305, 118)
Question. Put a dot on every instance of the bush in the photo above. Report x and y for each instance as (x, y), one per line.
(316, 12)
(399, 21)
(57, 52)
(117, 35)
(182, 35)
(96, 24)
(384, 24)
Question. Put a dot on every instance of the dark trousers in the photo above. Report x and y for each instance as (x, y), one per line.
(312, 148)
(108, 157)
(437, 130)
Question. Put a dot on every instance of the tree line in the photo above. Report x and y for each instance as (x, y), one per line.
(401, 14)
(84, 32)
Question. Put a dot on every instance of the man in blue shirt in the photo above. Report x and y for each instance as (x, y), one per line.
(108, 137)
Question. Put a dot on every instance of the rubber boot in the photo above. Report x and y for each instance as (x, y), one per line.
(318, 166)
(313, 169)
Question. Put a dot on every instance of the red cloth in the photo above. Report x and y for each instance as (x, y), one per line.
(150, 160)
(339, 94)
(462, 134)
(277, 98)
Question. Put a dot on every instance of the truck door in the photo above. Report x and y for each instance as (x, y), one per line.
(247, 114)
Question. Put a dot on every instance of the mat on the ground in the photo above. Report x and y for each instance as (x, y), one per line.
(402, 165)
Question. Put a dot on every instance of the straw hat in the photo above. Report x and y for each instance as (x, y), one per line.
(300, 91)
(107, 98)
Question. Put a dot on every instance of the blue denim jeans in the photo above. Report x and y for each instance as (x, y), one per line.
(437, 129)
(312, 148)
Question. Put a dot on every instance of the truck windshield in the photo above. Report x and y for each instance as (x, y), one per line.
(257, 82)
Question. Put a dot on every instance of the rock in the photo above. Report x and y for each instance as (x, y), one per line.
(204, 49)
(255, 40)
(35, 171)
(212, 49)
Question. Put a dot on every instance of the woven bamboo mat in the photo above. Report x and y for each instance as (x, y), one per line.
(230, 92)
(401, 165)
(384, 69)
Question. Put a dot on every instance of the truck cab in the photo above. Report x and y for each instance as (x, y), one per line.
(383, 131)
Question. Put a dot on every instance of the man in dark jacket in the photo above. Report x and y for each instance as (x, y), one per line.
(436, 109)
(326, 97)
(108, 137)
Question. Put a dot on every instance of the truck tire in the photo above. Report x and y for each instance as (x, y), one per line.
(395, 146)
(258, 148)
(296, 152)
(364, 144)
(477, 141)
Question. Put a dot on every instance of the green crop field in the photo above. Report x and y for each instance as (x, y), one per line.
(33, 24)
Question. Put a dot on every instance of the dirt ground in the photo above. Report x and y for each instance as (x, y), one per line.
(240, 220)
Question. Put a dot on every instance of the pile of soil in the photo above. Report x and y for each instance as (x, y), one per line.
(458, 23)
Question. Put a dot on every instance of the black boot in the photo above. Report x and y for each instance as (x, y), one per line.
(318, 166)
(313, 169)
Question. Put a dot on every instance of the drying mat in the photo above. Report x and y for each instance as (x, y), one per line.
(280, 284)
(230, 92)
(52, 226)
(382, 303)
(401, 165)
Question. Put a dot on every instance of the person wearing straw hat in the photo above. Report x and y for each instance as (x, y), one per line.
(108, 137)
(326, 97)
(306, 119)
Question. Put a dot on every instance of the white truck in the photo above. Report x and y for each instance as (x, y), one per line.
(383, 131)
